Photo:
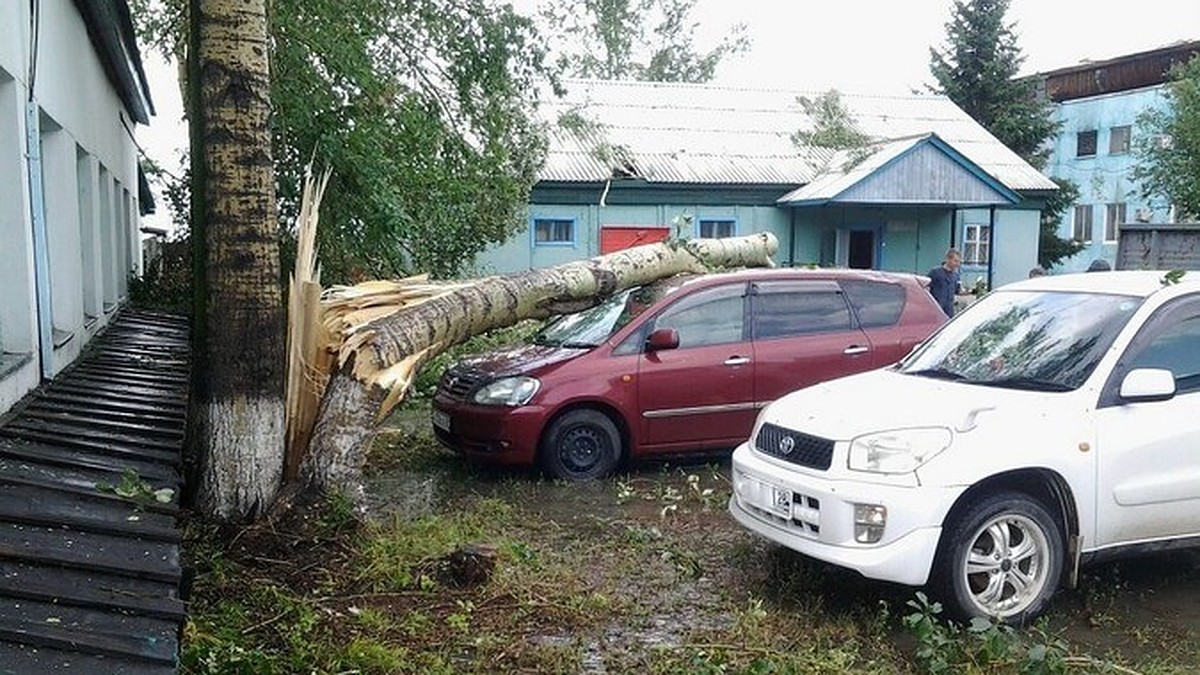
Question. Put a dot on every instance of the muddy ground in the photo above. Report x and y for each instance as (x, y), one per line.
(641, 573)
(704, 573)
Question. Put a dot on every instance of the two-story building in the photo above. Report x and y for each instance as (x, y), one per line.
(631, 162)
(72, 90)
(1097, 104)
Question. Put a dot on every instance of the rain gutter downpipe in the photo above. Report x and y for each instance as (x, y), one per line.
(37, 203)
(991, 244)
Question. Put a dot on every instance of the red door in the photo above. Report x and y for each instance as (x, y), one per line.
(700, 395)
(621, 237)
(803, 334)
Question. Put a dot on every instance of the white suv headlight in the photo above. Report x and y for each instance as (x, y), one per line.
(899, 450)
(510, 391)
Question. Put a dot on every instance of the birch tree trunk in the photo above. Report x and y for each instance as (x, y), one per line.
(238, 406)
(384, 354)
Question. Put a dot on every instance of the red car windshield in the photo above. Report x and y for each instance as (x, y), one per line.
(589, 328)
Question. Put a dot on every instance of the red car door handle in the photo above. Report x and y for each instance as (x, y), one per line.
(737, 361)
(855, 349)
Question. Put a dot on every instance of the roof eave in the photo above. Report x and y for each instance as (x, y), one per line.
(110, 28)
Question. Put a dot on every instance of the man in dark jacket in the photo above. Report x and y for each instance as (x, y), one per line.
(944, 281)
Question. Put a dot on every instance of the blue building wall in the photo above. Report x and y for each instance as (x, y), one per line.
(906, 238)
(751, 210)
(1103, 178)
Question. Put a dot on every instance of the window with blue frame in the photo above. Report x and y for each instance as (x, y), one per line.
(553, 231)
(715, 228)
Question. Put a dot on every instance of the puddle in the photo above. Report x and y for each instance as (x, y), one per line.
(401, 494)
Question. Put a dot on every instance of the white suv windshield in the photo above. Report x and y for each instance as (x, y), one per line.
(1045, 341)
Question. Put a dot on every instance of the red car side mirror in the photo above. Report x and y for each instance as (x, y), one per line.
(663, 338)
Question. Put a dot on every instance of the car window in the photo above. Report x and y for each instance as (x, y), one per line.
(1176, 347)
(876, 303)
(710, 317)
(1033, 340)
(784, 313)
(594, 325)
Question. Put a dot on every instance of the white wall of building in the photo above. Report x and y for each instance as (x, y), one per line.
(89, 188)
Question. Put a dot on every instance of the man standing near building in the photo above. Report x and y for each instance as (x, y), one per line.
(944, 281)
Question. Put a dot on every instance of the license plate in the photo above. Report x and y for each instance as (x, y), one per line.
(441, 420)
(781, 501)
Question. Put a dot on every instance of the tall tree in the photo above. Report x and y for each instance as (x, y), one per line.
(1051, 247)
(423, 111)
(1168, 144)
(651, 40)
(421, 108)
(977, 69)
(238, 406)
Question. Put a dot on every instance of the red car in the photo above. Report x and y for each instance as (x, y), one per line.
(680, 365)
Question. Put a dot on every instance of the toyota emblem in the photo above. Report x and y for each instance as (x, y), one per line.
(787, 445)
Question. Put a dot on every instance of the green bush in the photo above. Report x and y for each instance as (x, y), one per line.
(982, 646)
(166, 283)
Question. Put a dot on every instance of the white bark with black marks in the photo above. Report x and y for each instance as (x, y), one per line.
(242, 478)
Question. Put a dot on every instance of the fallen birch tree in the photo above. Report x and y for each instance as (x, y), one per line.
(378, 359)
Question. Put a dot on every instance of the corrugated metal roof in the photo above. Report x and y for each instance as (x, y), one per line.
(692, 133)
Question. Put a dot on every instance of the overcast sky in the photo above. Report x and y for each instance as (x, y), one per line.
(856, 46)
(868, 46)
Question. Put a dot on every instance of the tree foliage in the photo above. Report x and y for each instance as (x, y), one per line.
(1051, 247)
(651, 40)
(977, 69)
(832, 127)
(1167, 144)
(421, 108)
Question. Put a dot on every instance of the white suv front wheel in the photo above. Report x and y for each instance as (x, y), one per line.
(1002, 558)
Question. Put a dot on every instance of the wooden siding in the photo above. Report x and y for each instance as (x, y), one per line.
(1121, 74)
(926, 175)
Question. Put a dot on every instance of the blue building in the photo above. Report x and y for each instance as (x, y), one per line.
(631, 162)
(1097, 104)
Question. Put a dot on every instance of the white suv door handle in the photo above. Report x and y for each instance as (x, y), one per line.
(855, 349)
(737, 361)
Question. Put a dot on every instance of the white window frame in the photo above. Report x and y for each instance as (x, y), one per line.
(1113, 132)
(1080, 230)
(977, 244)
(1114, 215)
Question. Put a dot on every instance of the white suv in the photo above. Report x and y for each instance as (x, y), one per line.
(1056, 421)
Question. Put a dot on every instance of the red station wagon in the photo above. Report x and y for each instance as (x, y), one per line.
(679, 365)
